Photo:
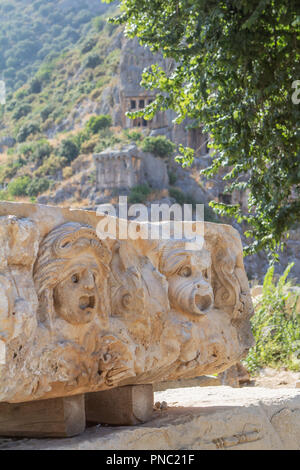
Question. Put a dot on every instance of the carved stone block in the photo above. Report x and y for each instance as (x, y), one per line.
(81, 314)
(121, 406)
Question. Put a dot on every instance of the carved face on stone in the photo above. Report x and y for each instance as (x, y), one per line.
(71, 275)
(189, 278)
(76, 297)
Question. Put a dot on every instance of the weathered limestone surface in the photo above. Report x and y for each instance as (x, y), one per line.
(199, 418)
(79, 314)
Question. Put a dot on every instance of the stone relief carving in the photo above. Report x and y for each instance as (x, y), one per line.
(70, 275)
(189, 278)
(80, 314)
(237, 439)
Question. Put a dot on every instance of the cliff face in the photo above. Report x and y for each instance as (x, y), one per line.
(126, 94)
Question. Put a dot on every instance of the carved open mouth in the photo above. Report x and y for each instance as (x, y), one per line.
(87, 301)
(203, 302)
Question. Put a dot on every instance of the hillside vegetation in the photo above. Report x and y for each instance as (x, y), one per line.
(51, 118)
(276, 325)
(58, 117)
(34, 30)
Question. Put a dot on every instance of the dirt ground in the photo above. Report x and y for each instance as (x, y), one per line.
(276, 378)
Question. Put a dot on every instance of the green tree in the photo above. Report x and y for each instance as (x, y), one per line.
(97, 123)
(26, 130)
(22, 111)
(234, 64)
(92, 61)
(160, 146)
(18, 187)
(68, 149)
(37, 186)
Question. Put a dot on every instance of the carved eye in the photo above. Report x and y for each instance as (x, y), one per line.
(205, 274)
(185, 272)
(75, 278)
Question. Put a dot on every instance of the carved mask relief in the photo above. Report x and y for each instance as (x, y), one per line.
(77, 296)
(80, 314)
(189, 277)
(71, 272)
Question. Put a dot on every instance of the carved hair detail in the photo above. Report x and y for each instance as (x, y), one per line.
(54, 264)
(60, 245)
(226, 285)
(229, 281)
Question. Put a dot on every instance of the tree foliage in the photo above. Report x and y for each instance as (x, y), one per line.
(97, 123)
(159, 145)
(68, 149)
(234, 64)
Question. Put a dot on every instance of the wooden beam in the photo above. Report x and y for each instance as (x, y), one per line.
(121, 406)
(56, 417)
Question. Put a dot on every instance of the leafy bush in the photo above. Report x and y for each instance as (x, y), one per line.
(97, 123)
(37, 186)
(41, 151)
(27, 130)
(35, 151)
(21, 94)
(276, 327)
(172, 177)
(160, 146)
(22, 111)
(135, 136)
(35, 85)
(9, 170)
(19, 186)
(89, 146)
(68, 149)
(26, 149)
(139, 194)
(92, 61)
(51, 166)
(45, 112)
(88, 45)
(81, 137)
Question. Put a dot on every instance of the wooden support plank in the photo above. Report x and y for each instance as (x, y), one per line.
(121, 406)
(56, 417)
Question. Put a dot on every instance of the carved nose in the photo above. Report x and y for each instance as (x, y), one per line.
(88, 280)
(203, 286)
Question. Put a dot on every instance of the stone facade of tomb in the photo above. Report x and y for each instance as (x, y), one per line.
(81, 311)
(127, 95)
(128, 167)
(118, 168)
